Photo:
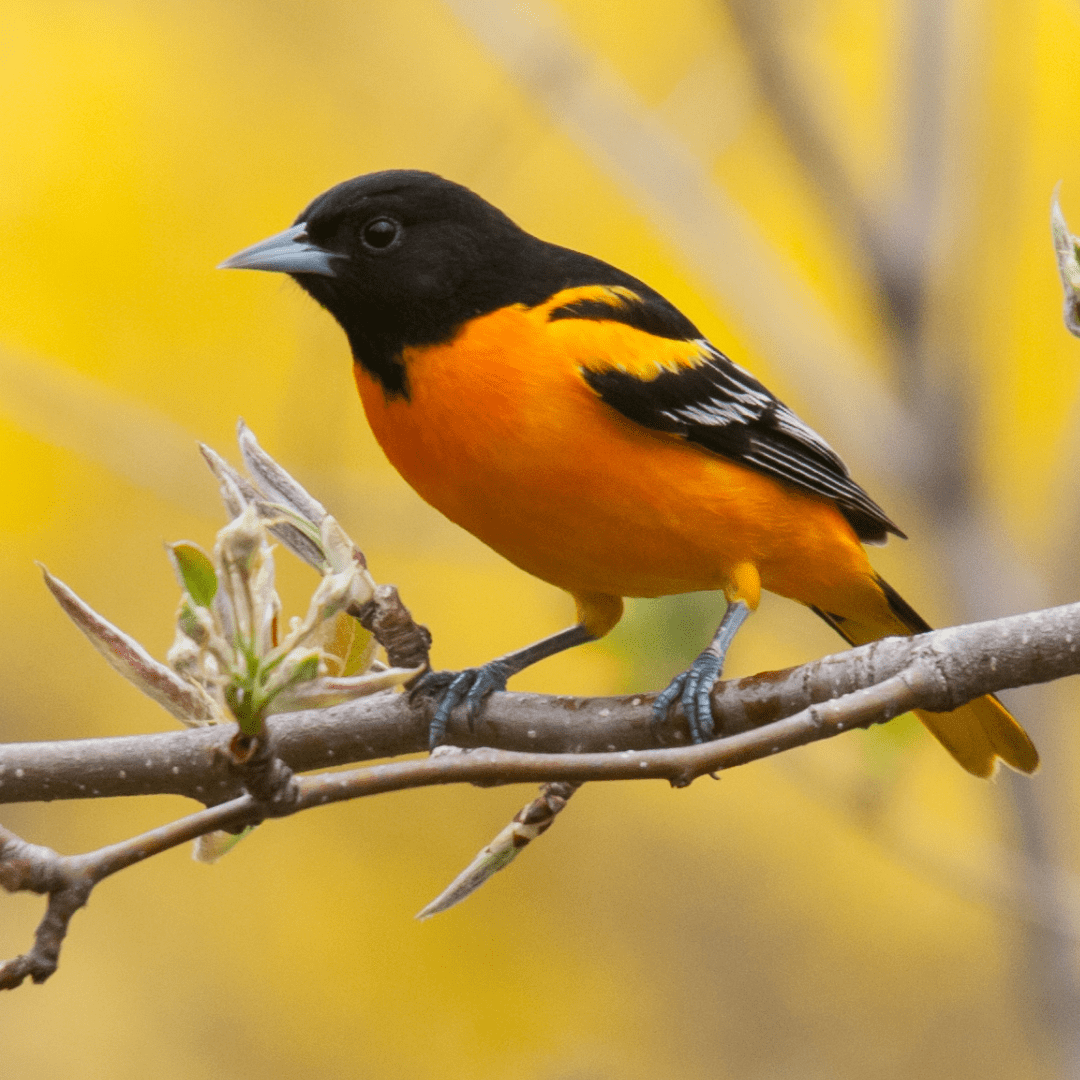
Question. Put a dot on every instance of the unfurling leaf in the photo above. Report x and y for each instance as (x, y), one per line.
(195, 572)
(294, 530)
(229, 659)
(186, 702)
(236, 491)
(305, 671)
(340, 551)
(323, 692)
(275, 483)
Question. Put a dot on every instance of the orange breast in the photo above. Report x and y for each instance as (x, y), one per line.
(502, 434)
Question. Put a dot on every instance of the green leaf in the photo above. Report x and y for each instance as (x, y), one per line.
(305, 671)
(195, 572)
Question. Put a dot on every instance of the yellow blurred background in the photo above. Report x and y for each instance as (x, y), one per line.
(850, 198)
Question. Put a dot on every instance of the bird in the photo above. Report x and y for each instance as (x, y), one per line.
(579, 424)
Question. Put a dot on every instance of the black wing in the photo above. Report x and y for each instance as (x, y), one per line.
(723, 408)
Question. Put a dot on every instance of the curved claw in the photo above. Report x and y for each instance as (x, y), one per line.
(665, 700)
(693, 687)
(452, 688)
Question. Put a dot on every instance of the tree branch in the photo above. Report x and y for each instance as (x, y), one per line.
(970, 660)
(937, 671)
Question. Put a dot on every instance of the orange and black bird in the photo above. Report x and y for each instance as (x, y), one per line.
(579, 424)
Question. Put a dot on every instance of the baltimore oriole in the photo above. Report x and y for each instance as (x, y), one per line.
(575, 421)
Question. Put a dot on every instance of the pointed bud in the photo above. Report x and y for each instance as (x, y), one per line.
(1068, 259)
(236, 492)
(125, 655)
(274, 482)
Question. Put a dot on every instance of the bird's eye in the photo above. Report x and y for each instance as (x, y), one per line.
(380, 233)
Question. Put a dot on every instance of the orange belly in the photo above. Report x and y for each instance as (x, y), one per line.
(503, 435)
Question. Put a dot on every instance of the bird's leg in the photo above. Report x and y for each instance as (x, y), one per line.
(472, 685)
(694, 685)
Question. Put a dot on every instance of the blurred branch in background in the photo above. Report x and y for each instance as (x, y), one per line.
(893, 240)
(68, 409)
(901, 258)
(780, 90)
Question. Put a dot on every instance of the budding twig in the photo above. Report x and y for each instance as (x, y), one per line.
(231, 653)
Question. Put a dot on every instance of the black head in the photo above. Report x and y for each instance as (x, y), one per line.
(418, 252)
(405, 258)
(398, 258)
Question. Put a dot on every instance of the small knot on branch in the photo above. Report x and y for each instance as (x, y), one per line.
(264, 775)
(541, 812)
(26, 867)
(407, 643)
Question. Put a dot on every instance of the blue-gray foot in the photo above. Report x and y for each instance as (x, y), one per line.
(450, 688)
(693, 687)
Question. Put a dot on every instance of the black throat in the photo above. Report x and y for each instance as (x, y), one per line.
(381, 356)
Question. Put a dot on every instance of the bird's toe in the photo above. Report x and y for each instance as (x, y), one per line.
(449, 689)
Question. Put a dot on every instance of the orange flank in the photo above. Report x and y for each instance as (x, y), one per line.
(501, 433)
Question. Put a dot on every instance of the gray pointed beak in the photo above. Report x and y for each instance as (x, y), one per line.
(289, 252)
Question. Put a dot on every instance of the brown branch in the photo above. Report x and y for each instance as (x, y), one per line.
(873, 684)
(974, 659)
(68, 880)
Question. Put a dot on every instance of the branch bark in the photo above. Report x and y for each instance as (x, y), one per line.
(969, 660)
(529, 737)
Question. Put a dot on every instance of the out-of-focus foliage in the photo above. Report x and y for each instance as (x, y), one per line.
(853, 911)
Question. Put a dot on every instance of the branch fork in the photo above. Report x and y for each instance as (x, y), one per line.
(348, 711)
